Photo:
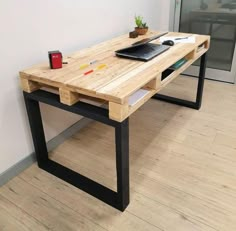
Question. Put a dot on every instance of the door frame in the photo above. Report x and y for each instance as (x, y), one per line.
(214, 74)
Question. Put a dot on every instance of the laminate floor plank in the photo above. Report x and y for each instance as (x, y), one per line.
(18, 216)
(53, 214)
(143, 207)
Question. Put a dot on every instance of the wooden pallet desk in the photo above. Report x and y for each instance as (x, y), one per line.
(115, 82)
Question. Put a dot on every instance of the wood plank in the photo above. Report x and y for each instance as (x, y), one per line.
(176, 73)
(105, 216)
(28, 85)
(72, 70)
(155, 83)
(143, 207)
(67, 97)
(118, 112)
(115, 68)
(225, 140)
(8, 223)
(14, 218)
(44, 208)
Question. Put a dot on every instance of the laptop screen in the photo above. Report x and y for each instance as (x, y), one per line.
(147, 40)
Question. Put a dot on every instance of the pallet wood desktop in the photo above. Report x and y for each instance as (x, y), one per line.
(115, 84)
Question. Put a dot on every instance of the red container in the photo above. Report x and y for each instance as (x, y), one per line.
(55, 59)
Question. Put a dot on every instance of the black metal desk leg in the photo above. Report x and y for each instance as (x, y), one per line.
(37, 131)
(122, 163)
(118, 199)
(201, 79)
(187, 103)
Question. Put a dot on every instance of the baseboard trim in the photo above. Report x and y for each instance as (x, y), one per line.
(53, 143)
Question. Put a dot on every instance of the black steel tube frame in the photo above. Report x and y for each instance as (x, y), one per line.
(119, 199)
(197, 104)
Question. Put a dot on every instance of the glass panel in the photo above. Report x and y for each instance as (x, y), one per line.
(216, 18)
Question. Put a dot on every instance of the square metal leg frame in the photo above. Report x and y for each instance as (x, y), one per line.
(119, 199)
(186, 103)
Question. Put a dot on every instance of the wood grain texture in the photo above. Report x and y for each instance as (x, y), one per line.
(183, 171)
(68, 97)
(14, 218)
(118, 79)
(28, 85)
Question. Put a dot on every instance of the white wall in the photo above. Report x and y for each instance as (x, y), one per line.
(29, 28)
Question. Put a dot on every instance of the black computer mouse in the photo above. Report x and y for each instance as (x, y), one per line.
(169, 43)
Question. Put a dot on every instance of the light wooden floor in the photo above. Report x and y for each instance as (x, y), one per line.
(183, 172)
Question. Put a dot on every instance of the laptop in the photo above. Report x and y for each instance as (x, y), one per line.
(143, 50)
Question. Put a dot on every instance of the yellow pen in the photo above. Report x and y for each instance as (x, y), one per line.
(101, 66)
(83, 66)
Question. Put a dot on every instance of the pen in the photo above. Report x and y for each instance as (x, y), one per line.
(182, 38)
(83, 66)
(101, 66)
(92, 62)
(88, 72)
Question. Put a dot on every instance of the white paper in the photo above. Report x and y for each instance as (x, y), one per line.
(186, 39)
(138, 95)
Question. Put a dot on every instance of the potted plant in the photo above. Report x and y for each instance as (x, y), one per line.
(141, 27)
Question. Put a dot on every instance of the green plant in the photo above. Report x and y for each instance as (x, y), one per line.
(139, 22)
